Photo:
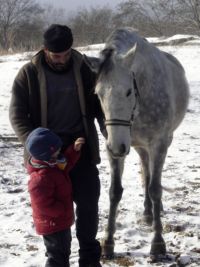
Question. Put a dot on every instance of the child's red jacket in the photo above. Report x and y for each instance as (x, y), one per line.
(51, 194)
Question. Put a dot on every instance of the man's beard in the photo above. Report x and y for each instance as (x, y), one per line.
(57, 66)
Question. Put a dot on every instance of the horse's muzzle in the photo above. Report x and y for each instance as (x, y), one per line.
(120, 152)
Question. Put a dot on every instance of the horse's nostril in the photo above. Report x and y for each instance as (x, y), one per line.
(122, 149)
(108, 148)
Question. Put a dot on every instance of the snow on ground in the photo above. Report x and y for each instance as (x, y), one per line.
(21, 247)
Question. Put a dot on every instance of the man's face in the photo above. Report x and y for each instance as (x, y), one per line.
(60, 60)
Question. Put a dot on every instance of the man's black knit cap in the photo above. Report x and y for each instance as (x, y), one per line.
(58, 38)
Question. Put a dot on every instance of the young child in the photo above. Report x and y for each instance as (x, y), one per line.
(51, 192)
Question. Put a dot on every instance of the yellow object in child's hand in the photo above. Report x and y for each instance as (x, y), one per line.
(61, 163)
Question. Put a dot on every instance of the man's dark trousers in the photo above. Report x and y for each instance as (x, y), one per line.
(86, 191)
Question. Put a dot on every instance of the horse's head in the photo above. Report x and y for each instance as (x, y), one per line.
(117, 91)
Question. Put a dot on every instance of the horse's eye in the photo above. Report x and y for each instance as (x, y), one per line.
(128, 92)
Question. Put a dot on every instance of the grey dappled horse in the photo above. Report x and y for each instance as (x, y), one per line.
(144, 95)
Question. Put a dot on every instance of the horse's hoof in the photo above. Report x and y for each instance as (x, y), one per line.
(160, 258)
(158, 249)
(108, 257)
(107, 250)
(148, 219)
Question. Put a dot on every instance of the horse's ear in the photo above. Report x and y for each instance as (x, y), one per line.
(92, 62)
(127, 58)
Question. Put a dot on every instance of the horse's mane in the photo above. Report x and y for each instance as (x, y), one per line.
(107, 63)
(118, 37)
(118, 43)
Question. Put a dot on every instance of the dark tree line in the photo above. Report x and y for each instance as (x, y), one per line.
(22, 22)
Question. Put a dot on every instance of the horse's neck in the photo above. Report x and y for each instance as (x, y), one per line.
(147, 64)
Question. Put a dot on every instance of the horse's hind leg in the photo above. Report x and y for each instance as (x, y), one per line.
(144, 156)
(115, 194)
(157, 159)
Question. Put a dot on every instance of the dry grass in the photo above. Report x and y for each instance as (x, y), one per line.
(125, 261)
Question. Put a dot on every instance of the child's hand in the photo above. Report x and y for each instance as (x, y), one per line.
(78, 143)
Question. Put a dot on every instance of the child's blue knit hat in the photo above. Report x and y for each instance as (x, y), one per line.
(42, 143)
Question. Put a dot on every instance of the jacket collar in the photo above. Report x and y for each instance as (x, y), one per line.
(33, 165)
(39, 164)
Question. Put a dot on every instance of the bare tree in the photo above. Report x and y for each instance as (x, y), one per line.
(150, 17)
(54, 15)
(28, 36)
(14, 13)
(92, 26)
(188, 13)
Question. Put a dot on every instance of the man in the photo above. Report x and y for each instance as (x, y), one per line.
(55, 90)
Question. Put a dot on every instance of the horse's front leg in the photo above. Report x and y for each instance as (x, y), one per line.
(157, 159)
(115, 194)
(144, 157)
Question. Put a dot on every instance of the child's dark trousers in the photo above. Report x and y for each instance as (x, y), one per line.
(58, 248)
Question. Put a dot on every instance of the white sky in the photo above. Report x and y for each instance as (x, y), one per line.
(73, 5)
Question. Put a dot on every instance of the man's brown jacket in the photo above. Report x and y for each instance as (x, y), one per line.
(28, 107)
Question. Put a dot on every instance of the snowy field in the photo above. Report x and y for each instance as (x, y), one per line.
(21, 247)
